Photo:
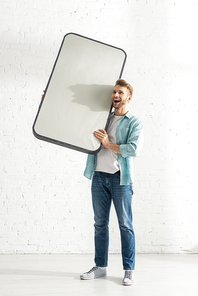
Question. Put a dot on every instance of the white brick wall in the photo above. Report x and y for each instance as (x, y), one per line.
(45, 202)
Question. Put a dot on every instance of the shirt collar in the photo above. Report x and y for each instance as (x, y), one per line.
(128, 114)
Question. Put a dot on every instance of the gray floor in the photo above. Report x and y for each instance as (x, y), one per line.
(58, 275)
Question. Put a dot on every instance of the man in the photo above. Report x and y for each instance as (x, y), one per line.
(112, 171)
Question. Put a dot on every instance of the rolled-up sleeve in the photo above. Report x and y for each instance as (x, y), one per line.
(134, 140)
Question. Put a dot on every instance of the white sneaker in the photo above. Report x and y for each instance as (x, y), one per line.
(128, 279)
(95, 272)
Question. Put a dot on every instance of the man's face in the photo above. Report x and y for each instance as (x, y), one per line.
(120, 96)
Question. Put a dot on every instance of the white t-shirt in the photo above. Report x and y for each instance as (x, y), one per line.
(107, 160)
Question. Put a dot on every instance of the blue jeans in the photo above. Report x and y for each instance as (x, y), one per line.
(106, 188)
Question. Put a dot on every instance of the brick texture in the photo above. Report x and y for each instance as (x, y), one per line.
(45, 202)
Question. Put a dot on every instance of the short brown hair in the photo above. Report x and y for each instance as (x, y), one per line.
(122, 82)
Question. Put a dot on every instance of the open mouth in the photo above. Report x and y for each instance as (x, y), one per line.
(116, 101)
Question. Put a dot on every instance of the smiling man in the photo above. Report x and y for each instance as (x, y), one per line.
(112, 171)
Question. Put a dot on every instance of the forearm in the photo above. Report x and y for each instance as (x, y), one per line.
(114, 147)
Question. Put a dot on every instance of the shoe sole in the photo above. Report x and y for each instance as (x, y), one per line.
(131, 284)
(92, 278)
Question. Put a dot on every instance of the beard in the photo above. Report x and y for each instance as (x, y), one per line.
(118, 106)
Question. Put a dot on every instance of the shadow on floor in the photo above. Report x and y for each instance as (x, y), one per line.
(75, 276)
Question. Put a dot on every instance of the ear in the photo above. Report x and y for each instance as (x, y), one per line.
(129, 99)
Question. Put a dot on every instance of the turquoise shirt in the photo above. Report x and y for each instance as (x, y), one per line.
(129, 135)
